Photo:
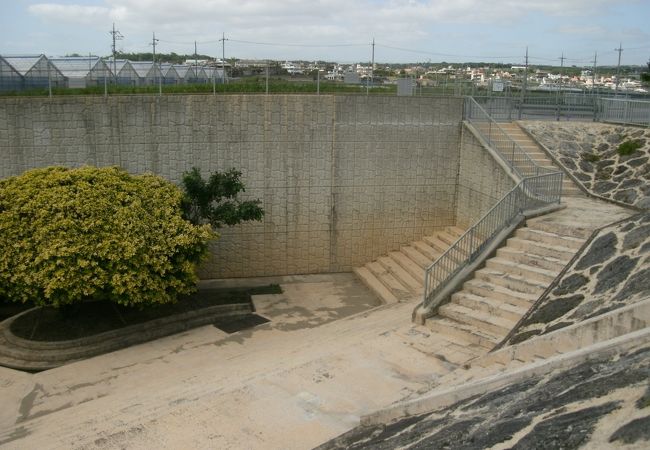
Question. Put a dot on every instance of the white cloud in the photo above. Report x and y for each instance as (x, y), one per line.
(77, 14)
(400, 23)
(406, 15)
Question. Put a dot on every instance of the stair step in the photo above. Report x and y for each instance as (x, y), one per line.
(547, 237)
(488, 305)
(409, 265)
(493, 291)
(376, 286)
(415, 286)
(436, 243)
(544, 276)
(544, 262)
(512, 282)
(416, 256)
(447, 238)
(428, 251)
(456, 231)
(384, 276)
(462, 331)
(538, 248)
(540, 224)
(494, 325)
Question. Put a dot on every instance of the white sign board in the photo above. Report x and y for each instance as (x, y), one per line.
(497, 86)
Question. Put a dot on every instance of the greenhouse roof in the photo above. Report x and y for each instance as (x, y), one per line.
(23, 64)
(75, 67)
(119, 64)
(142, 68)
(6, 68)
(183, 70)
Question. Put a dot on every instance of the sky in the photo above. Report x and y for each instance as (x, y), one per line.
(338, 30)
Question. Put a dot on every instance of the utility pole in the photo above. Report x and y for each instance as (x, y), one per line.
(559, 91)
(523, 85)
(593, 73)
(153, 43)
(618, 66)
(372, 65)
(223, 57)
(49, 78)
(117, 36)
(214, 80)
(196, 59)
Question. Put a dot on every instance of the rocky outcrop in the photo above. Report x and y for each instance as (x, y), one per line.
(592, 153)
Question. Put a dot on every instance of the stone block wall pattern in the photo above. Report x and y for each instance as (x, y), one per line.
(343, 179)
(482, 182)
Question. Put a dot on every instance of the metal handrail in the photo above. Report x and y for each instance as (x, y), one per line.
(518, 160)
(538, 187)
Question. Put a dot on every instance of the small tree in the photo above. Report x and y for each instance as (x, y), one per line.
(69, 235)
(215, 200)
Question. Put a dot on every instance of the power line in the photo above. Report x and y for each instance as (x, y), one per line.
(443, 54)
(279, 44)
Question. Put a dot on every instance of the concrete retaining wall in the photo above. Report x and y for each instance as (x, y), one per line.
(481, 180)
(343, 179)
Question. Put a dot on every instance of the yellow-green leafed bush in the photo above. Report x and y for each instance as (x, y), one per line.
(69, 235)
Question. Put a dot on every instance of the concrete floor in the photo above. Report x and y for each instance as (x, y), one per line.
(329, 354)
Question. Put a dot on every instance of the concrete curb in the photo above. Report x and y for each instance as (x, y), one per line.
(22, 354)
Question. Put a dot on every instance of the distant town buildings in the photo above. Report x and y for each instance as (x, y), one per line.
(33, 71)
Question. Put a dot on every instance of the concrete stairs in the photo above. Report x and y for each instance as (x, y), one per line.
(535, 151)
(399, 276)
(490, 304)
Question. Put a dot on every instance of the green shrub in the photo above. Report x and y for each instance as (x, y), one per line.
(215, 200)
(590, 157)
(70, 235)
(628, 147)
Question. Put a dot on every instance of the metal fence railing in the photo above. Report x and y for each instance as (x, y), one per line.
(538, 187)
(498, 139)
(625, 111)
(627, 108)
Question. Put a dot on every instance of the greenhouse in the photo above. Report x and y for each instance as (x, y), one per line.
(123, 72)
(170, 76)
(148, 72)
(10, 78)
(37, 71)
(200, 75)
(81, 72)
(186, 74)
